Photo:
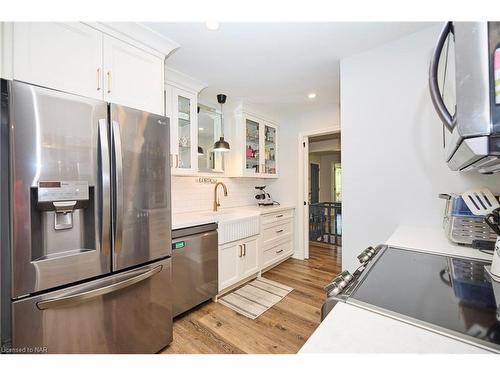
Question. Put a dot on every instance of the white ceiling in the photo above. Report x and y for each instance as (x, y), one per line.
(275, 64)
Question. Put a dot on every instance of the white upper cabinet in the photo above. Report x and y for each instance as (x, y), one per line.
(182, 109)
(121, 63)
(255, 146)
(184, 127)
(132, 77)
(63, 56)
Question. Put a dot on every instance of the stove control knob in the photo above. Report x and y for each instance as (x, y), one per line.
(338, 283)
(346, 276)
(363, 257)
(366, 255)
(370, 251)
(333, 289)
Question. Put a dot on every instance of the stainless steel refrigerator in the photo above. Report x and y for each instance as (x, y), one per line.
(90, 224)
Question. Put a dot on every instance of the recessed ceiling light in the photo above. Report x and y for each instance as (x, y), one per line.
(201, 129)
(311, 95)
(212, 25)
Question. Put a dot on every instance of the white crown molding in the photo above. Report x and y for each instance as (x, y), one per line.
(138, 34)
(183, 81)
(254, 111)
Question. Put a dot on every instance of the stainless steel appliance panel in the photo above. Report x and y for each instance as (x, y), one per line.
(462, 85)
(472, 78)
(57, 137)
(5, 283)
(141, 172)
(195, 266)
(128, 312)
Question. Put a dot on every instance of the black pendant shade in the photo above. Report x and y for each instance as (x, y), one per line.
(200, 151)
(221, 145)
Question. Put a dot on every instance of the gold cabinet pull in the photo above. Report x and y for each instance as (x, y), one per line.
(109, 81)
(98, 79)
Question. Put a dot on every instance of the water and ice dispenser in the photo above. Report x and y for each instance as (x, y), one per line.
(62, 218)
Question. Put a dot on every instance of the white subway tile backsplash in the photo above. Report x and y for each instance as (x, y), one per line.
(189, 195)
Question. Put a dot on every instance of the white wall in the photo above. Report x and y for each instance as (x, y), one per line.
(392, 157)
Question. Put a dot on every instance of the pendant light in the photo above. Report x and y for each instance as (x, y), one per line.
(221, 145)
(200, 151)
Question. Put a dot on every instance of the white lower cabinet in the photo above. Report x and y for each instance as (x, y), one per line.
(276, 253)
(237, 261)
(276, 241)
(250, 258)
(242, 259)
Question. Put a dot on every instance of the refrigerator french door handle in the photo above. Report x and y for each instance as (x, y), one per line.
(90, 294)
(117, 149)
(105, 206)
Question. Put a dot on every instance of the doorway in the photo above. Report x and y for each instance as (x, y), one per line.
(320, 216)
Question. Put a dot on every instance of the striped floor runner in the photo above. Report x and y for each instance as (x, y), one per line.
(253, 299)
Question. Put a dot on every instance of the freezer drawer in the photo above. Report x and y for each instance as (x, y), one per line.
(129, 312)
(194, 266)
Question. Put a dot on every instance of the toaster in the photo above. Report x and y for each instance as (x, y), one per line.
(463, 227)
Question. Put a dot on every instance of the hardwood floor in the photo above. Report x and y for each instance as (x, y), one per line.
(284, 328)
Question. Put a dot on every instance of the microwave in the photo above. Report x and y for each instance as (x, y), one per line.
(464, 84)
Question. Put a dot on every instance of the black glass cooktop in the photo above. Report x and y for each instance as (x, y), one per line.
(437, 291)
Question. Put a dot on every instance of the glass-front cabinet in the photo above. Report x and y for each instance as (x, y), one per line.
(181, 106)
(270, 136)
(184, 129)
(209, 132)
(252, 147)
(259, 147)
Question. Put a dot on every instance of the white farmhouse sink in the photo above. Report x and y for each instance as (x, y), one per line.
(235, 225)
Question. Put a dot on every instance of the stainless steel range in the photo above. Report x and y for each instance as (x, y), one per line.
(89, 257)
(451, 296)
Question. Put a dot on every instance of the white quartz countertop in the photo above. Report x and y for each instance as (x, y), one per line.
(190, 219)
(351, 329)
(431, 240)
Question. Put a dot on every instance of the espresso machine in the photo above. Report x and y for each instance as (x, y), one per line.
(263, 198)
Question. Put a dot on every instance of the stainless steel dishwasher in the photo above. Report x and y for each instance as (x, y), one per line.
(194, 266)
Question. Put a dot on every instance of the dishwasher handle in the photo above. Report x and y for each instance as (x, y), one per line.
(178, 234)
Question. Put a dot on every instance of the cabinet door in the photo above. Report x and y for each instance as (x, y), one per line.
(185, 122)
(269, 146)
(62, 56)
(132, 77)
(250, 259)
(253, 146)
(229, 265)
